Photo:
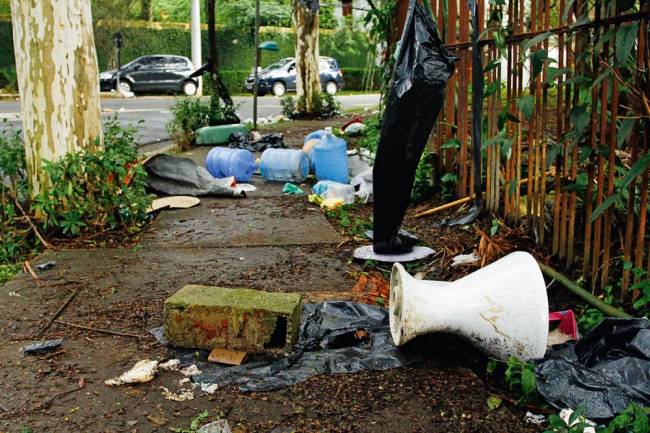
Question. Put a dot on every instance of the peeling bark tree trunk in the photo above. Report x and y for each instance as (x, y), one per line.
(307, 56)
(58, 80)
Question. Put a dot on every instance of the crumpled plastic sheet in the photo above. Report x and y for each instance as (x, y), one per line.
(605, 371)
(326, 344)
(239, 140)
(175, 175)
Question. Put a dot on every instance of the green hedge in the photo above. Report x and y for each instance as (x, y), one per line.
(235, 48)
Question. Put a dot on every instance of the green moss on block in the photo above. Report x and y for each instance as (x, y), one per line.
(240, 319)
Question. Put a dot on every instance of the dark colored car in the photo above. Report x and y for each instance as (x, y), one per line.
(153, 74)
(280, 77)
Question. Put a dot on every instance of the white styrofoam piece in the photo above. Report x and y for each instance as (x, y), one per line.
(366, 253)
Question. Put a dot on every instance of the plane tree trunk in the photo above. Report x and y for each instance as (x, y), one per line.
(307, 57)
(58, 81)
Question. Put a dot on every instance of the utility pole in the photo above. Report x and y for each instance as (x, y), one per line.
(196, 41)
(257, 61)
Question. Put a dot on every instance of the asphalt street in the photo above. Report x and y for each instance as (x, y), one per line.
(151, 113)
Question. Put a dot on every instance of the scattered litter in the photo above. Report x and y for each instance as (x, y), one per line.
(328, 189)
(255, 142)
(462, 220)
(183, 381)
(565, 415)
(208, 388)
(292, 189)
(220, 426)
(331, 341)
(367, 253)
(532, 418)
(227, 356)
(223, 162)
(567, 329)
(362, 183)
(42, 347)
(246, 187)
(184, 395)
(493, 402)
(465, 259)
(191, 370)
(285, 165)
(354, 129)
(171, 365)
(173, 202)
(143, 371)
(174, 175)
(372, 288)
(269, 120)
(607, 370)
(45, 266)
(332, 203)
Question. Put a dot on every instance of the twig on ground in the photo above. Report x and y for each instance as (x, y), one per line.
(57, 313)
(102, 331)
(45, 243)
(27, 268)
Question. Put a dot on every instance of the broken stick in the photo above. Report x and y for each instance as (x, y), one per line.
(101, 331)
(57, 313)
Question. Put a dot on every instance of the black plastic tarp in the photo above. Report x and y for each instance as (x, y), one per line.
(605, 371)
(414, 102)
(328, 343)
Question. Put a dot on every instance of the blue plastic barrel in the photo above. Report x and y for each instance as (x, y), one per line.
(286, 165)
(225, 162)
(315, 135)
(330, 158)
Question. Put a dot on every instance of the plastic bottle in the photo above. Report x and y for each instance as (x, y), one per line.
(330, 189)
(287, 165)
(224, 162)
(330, 157)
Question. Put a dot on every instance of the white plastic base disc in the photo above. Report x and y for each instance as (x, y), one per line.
(367, 253)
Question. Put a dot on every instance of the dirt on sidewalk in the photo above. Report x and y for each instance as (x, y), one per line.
(266, 241)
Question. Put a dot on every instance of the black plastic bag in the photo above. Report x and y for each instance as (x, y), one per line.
(241, 140)
(414, 102)
(328, 343)
(605, 371)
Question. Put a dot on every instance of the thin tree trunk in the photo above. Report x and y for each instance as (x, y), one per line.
(146, 10)
(219, 89)
(307, 56)
(56, 64)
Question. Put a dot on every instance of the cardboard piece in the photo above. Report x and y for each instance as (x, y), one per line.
(227, 356)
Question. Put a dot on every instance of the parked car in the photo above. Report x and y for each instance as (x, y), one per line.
(153, 74)
(280, 77)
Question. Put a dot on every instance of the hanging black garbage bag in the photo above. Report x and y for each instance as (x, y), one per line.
(415, 99)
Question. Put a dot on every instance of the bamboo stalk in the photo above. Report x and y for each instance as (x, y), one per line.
(582, 293)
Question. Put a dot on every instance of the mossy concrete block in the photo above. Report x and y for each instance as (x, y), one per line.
(215, 135)
(240, 319)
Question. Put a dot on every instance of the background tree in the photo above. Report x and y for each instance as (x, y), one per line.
(56, 64)
(146, 10)
(305, 14)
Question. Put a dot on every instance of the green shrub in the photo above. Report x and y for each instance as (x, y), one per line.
(8, 79)
(190, 114)
(16, 239)
(324, 107)
(95, 192)
(7, 272)
(424, 178)
(359, 79)
(370, 136)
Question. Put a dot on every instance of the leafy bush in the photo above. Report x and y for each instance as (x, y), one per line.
(7, 272)
(424, 178)
(190, 114)
(95, 192)
(8, 79)
(370, 136)
(14, 232)
(324, 107)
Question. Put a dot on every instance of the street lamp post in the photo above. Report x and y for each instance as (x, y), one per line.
(118, 38)
(257, 61)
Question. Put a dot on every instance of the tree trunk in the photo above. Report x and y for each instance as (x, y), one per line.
(219, 89)
(56, 64)
(146, 10)
(307, 57)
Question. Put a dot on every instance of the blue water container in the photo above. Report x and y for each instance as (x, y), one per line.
(316, 135)
(330, 158)
(225, 162)
(286, 165)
